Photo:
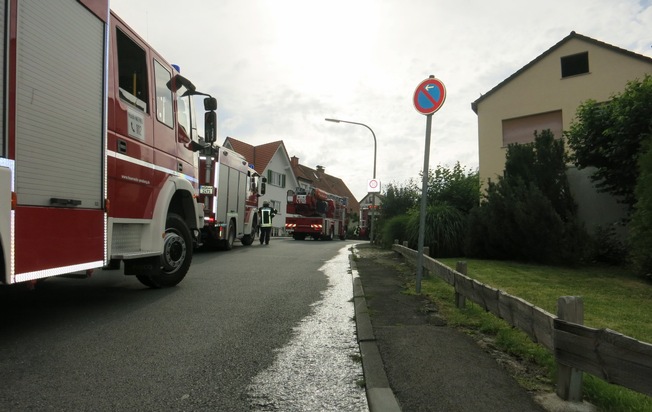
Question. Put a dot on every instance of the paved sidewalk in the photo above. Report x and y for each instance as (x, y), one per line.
(412, 361)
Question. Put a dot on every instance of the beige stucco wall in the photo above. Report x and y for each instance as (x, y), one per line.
(541, 89)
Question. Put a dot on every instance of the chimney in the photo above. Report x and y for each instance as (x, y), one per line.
(320, 169)
(294, 161)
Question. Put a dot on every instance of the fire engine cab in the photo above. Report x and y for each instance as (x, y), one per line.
(98, 162)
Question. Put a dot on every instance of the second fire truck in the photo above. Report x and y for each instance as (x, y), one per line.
(229, 190)
(314, 213)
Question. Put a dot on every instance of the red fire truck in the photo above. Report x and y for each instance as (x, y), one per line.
(315, 213)
(98, 164)
(229, 190)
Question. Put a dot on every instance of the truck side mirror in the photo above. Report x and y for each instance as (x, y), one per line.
(263, 186)
(210, 104)
(178, 81)
(210, 127)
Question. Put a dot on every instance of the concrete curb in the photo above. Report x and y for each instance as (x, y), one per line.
(380, 396)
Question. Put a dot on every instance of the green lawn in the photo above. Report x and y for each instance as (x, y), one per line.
(612, 297)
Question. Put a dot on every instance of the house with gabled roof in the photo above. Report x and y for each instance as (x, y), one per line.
(545, 94)
(270, 160)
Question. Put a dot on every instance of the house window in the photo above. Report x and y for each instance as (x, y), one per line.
(275, 179)
(521, 129)
(275, 204)
(575, 64)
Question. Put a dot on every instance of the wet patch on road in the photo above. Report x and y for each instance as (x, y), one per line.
(317, 370)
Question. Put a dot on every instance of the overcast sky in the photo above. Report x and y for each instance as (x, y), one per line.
(279, 67)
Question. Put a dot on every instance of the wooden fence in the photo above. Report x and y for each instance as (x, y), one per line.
(607, 354)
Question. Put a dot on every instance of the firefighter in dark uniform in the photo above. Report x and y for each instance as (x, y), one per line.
(266, 213)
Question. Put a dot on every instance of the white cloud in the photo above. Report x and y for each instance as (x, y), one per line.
(279, 67)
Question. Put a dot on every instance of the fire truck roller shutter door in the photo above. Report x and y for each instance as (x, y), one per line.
(66, 164)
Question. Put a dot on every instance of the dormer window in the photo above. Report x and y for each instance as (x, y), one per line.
(575, 64)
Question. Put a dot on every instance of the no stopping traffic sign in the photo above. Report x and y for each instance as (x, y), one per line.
(429, 96)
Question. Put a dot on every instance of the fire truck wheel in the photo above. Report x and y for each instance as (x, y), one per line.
(249, 239)
(145, 280)
(177, 253)
(230, 237)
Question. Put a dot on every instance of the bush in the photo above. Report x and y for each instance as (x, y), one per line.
(518, 222)
(607, 246)
(393, 228)
(445, 228)
(529, 214)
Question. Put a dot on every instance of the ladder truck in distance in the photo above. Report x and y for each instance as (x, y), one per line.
(312, 212)
(98, 162)
(228, 190)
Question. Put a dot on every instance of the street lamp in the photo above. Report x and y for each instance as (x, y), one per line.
(373, 196)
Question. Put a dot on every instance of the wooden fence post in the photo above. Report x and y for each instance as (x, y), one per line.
(569, 380)
(460, 300)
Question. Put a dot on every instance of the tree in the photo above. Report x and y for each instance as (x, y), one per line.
(641, 223)
(608, 136)
(399, 199)
(543, 162)
(456, 186)
(516, 222)
(529, 213)
(452, 193)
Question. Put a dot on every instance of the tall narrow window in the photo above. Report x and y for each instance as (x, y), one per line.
(163, 95)
(132, 72)
(275, 204)
(575, 64)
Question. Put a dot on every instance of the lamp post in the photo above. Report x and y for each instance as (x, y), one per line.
(373, 197)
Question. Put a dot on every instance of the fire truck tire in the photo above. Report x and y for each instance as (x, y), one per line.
(145, 280)
(177, 253)
(247, 240)
(230, 236)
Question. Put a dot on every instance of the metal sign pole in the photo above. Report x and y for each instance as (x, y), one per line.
(424, 201)
(428, 98)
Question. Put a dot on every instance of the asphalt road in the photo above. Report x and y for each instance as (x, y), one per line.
(109, 343)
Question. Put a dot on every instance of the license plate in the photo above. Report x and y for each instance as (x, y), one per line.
(206, 190)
